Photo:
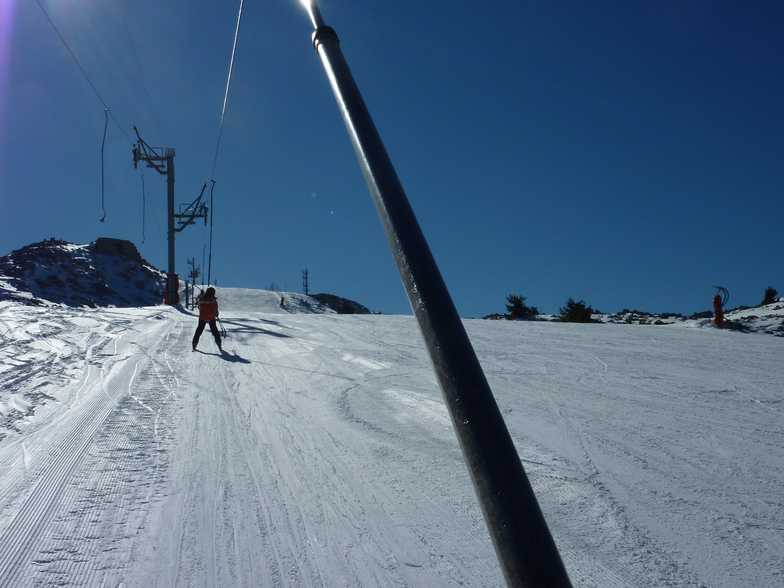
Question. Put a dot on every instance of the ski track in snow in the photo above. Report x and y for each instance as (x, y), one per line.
(317, 451)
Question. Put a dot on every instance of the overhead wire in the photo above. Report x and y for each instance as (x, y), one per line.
(106, 110)
(141, 75)
(220, 133)
(84, 73)
(228, 85)
(108, 113)
(155, 119)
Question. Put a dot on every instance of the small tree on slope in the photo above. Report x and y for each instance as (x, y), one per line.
(517, 308)
(771, 295)
(575, 312)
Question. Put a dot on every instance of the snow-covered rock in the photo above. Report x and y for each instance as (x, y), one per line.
(106, 272)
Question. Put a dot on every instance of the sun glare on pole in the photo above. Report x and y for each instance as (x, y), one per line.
(313, 11)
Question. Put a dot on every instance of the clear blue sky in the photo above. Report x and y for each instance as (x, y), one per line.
(630, 154)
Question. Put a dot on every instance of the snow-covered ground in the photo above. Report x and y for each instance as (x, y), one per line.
(318, 451)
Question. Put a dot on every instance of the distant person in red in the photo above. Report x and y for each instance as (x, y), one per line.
(208, 313)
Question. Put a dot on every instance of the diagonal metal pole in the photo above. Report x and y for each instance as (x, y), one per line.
(522, 540)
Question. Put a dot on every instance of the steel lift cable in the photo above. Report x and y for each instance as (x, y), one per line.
(103, 182)
(220, 133)
(84, 73)
(141, 75)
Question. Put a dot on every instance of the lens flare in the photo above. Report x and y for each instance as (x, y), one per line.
(6, 21)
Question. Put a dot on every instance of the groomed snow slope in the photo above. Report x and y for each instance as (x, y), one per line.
(318, 452)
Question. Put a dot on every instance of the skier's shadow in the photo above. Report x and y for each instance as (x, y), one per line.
(225, 355)
(242, 326)
(233, 357)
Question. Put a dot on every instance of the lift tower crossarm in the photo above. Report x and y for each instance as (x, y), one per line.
(196, 209)
(143, 152)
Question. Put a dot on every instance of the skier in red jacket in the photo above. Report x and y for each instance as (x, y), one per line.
(208, 313)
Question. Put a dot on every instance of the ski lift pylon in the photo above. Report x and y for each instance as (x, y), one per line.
(719, 300)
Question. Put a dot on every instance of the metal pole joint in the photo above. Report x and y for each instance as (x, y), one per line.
(323, 32)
